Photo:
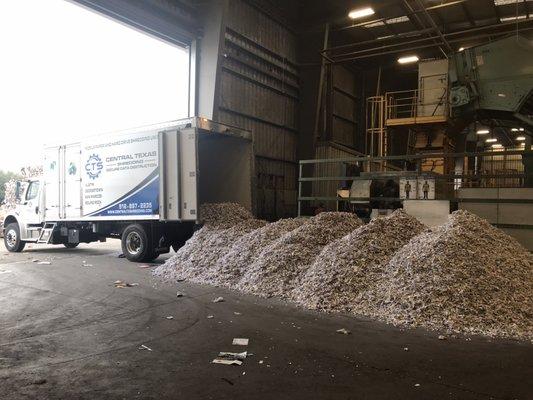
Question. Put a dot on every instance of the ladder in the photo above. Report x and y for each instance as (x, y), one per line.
(46, 232)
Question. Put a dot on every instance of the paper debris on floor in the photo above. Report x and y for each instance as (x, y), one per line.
(218, 299)
(343, 331)
(121, 284)
(226, 362)
(232, 356)
(44, 263)
(143, 347)
(240, 342)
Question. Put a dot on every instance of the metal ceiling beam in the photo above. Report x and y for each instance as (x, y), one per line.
(388, 50)
(440, 19)
(468, 15)
(419, 22)
(415, 12)
(496, 11)
(434, 25)
(447, 35)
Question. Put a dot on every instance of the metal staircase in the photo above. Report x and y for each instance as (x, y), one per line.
(46, 232)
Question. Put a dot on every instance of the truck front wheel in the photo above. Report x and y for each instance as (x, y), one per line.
(136, 244)
(12, 238)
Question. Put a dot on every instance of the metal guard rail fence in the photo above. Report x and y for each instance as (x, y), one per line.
(458, 180)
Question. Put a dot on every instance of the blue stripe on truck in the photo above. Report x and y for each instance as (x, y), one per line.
(141, 200)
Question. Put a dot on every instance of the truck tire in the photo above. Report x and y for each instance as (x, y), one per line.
(136, 244)
(70, 245)
(12, 238)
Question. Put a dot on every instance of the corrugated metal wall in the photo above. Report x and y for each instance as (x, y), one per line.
(344, 104)
(329, 188)
(259, 91)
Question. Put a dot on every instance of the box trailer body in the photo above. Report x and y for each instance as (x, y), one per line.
(153, 179)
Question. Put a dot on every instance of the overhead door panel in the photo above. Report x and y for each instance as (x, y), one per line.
(174, 23)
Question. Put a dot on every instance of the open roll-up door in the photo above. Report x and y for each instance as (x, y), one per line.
(171, 21)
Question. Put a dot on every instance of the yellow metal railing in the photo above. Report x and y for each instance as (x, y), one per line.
(417, 105)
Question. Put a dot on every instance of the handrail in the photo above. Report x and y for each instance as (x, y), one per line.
(491, 169)
(413, 104)
(416, 156)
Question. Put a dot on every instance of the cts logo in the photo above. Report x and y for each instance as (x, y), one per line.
(94, 166)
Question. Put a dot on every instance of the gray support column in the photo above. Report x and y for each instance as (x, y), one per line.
(211, 46)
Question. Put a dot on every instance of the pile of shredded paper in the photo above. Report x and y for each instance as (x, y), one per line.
(464, 276)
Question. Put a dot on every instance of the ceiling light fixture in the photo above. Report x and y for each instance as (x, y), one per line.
(461, 48)
(408, 59)
(361, 12)
(491, 140)
(514, 129)
(504, 2)
(506, 19)
(521, 129)
(520, 138)
(497, 146)
(397, 20)
(482, 131)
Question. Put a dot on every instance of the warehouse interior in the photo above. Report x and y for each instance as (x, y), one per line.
(300, 75)
(381, 156)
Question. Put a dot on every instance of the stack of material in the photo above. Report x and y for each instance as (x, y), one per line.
(31, 171)
(9, 202)
(196, 261)
(245, 251)
(10, 198)
(347, 267)
(464, 276)
(277, 268)
(223, 214)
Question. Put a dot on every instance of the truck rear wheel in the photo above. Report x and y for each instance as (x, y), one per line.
(136, 244)
(12, 238)
(70, 245)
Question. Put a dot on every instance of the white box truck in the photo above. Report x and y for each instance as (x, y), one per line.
(143, 186)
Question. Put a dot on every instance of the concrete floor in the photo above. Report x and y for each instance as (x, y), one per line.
(67, 333)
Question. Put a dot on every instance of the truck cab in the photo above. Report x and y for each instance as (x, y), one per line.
(24, 223)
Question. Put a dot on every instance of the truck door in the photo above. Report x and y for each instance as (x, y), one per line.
(52, 183)
(72, 181)
(30, 212)
(178, 175)
(188, 174)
